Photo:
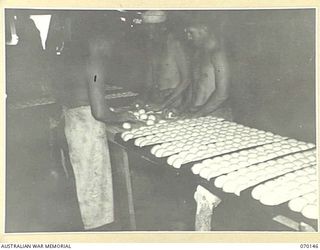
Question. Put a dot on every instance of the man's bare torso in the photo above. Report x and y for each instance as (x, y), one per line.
(204, 78)
(163, 70)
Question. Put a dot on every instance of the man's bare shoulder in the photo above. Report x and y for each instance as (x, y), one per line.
(176, 47)
(100, 45)
(218, 55)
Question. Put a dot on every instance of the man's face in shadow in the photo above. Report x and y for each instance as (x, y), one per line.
(197, 34)
(102, 46)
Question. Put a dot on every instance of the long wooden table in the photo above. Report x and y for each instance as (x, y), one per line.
(233, 214)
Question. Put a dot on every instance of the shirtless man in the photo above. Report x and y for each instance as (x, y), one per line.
(86, 64)
(211, 75)
(85, 73)
(168, 72)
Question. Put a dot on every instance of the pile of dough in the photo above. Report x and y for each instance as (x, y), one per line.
(295, 187)
(175, 131)
(306, 204)
(164, 126)
(234, 161)
(250, 176)
(224, 147)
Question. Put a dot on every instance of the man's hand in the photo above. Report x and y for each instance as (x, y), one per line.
(126, 117)
(192, 112)
(198, 114)
(186, 115)
(153, 107)
(170, 113)
(171, 96)
(139, 103)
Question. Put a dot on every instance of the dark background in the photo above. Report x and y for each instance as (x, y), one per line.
(271, 52)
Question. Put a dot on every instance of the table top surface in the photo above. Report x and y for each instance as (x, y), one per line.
(268, 211)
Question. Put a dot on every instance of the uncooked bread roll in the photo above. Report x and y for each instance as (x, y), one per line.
(258, 191)
(126, 125)
(142, 111)
(177, 163)
(143, 116)
(310, 211)
(152, 117)
(297, 204)
(197, 168)
(150, 122)
(220, 181)
(127, 137)
(155, 148)
(230, 186)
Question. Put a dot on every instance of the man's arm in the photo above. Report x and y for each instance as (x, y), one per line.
(146, 91)
(187, 101)
(184, 72)
(96, 77)
(147, 84)
(222, 76)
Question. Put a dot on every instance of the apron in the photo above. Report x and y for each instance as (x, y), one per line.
(90, 159)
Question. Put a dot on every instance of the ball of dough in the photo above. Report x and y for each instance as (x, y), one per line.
(177, 163)
(257, 192)
(172, 158)
(144, 142)
(196, 168)
(142, 111)
(193, 150)
(205, 172)
(155, 148)
(138, 141)
(311, 197)
(220, 181)
(127, 137)
(310, 211)
(230, 186)
(269, 199)
(150, 122)
(152, 118)
(167, 153)
(143, 117)
(126, 125)
(159, 152)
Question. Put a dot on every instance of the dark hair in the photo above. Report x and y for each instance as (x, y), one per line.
(213, 27)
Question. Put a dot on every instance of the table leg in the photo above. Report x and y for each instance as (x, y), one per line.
(122, 186)
(206, 203)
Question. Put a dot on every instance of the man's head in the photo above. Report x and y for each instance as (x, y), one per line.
(198, 34)
(102, 45)
(154, 23)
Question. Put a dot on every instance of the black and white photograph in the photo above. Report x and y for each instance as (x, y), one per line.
(160, 120)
